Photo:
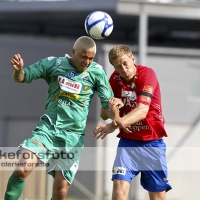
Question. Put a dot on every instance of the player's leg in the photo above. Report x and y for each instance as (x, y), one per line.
(64, 166)
(124, 168)
(155, 184)
(157, 195)
(154, 177)
(15, 186)
(60, 186)
(120, 190)
(27, 163)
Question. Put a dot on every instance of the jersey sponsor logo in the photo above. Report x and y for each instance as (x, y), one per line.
(127, 102)
(66, 103)
(146, 99)
(130, 94)
(71, 73)
(119, 170)
(148, 88)
(50, 58)
(69, 95)
(85, 76)
(138, 126)
(69, 85)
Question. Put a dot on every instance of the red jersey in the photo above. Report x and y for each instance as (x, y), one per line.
(144, 88)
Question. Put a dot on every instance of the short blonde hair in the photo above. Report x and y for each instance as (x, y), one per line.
(118, 51)
(84, 42)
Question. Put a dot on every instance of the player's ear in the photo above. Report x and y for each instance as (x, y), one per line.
(73, 52)
(133, 58)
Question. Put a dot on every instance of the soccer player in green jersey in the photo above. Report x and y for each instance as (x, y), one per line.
(72, 83)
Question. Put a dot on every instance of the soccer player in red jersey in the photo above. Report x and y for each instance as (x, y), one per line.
(142, 149)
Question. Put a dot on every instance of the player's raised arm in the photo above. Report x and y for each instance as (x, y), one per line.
(113, 103)
(17, 64)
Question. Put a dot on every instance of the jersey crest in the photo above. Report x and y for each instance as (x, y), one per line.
(85, 76)
(71, 73)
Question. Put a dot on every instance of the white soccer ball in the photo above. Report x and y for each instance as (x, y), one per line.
(98, 25)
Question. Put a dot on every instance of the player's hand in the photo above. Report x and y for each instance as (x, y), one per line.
(17, 62)
(113, 102)
(118, 122)
(103, 130)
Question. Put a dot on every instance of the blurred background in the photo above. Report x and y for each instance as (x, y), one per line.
(163, 34)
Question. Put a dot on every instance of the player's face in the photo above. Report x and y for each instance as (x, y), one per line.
(82, 59)
(125, 67)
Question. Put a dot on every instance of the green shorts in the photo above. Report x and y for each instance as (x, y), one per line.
(59, 149)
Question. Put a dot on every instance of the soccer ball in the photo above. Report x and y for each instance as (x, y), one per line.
(98, 25)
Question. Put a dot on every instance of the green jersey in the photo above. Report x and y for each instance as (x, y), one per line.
(70, 91)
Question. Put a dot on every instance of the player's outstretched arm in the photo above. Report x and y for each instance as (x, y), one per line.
(104, 129)
(17, 64)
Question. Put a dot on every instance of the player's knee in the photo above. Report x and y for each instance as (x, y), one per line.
(118, 195)
(21, 173)
(59, 193)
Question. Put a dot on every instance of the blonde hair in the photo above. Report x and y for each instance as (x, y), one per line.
(84, 42)
(118, 51)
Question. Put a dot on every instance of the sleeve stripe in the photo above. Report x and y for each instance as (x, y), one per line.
(145, 94)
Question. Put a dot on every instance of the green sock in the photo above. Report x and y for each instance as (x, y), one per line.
(14, 188)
